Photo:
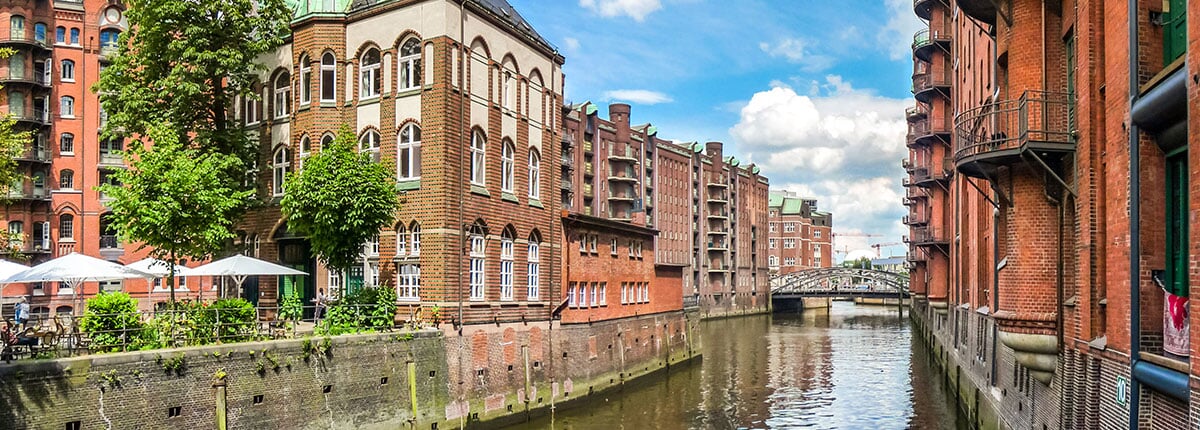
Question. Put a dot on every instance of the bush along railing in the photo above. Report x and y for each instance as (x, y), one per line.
(365, 310)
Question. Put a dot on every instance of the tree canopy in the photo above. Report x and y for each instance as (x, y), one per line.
(185, 63)
(339, 200)
(175, 199)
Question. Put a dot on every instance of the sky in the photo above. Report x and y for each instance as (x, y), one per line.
(812, 91)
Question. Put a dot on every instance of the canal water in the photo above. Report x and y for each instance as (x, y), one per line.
(855, 367)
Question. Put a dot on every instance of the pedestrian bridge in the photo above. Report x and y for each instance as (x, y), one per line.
(787, 290)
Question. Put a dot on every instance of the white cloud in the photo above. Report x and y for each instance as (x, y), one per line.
(571, 43)
(645, 97)
(897, 34)
(636, 9)
(839, 144)
(799, 51)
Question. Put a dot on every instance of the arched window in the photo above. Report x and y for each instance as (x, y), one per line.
(478, 159)
(66, 107)
(16, 27)
(408, 153)
(68, 71)
(66, 226)
(535, 174)
(507, 167)
(305, 80)
(305, 149)
(280, 163)
(283, 95)
(414, 234)
(774, 261)
(533, 274)
(370, 78)
(66, 143)
(328, 77)
(506, 265)
(410, 64)
(66, 179)
(401, 240)
(39, 32)
(478, 262)
(369, 142)
(250, 107)
(508, 96)
(326, 140)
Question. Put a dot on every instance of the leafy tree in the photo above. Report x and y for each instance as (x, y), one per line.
(339, 201)
(185, 63)
(111, 321)
(175, 200)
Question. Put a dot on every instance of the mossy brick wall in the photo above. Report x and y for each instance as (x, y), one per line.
(485, 373)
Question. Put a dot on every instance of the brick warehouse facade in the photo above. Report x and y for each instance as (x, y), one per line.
(801, 237)
(1025, 246)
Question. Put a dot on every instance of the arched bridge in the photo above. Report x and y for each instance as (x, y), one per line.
(838, 282)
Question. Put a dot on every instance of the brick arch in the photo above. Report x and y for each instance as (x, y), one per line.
(362, 49)
(535, 76)
(510, 231)
(364, 131)
(405, 35)
(280, 225)
(535, 344)
(535, 235)
(479, 349)
(510, 59)
(405, 122)
(482, 43)
(510, 345)
(67, 207)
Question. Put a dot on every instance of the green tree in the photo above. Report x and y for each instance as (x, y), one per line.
(175, 200)
(13, 144)
(339, 200)
(185, 63)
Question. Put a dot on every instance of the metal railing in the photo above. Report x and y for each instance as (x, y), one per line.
(109, 241)
(1037, 116)
(929, 235)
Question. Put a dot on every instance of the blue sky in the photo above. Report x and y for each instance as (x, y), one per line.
(811, 90)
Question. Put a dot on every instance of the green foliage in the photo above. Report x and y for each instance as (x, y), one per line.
(111, 320)
(13, 144)
(291, 309)
(339, 201)
(174, 364)
(365, 310)
(185, 64)
(175, 200)
(225, 321)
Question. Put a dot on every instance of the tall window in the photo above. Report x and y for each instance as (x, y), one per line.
(75, 36)
(250, 110)
(410, 64)
(326, 140)
(66, 179)
(408, 282)
(571, 296)
(280, 163)
(535, 174)
(60, 35)
(1177, 225)
(370, 78)
(401, 240)
(66, 226)
(17, 27)
(506, 267)
(305, 149)
(68, 71)
(408, 153)
(507, 167)
(478, 159)
(534, 269)
(16, 65)
(328, 77)
(373, 247)
(369, 142)
(507, 95)
(414, 233)
(283, 95)
(478, 258)
(66, 107)
(66, 143)
(108, 39)
(305, 80)
(39, 32)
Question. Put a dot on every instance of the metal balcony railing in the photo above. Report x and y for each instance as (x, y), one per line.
(929, 236)
(1037, 117)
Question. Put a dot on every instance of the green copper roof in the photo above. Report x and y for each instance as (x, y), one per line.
(304, 8)
(591, 109)
(651, 130)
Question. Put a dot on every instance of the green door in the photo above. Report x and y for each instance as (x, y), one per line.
(1174, 30)
(295, 254)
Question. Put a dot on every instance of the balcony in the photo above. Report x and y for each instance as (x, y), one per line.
(981, 10)
(22, 247)
(587, 147)
(107, 52)
(935, 129)
(1002, 133)
(649, 162)
(21, 41)
(929, 236)
(627, 156)
(915, 193)
(111, 159)
(568, 162)
(718, 268)
(648, 201)
(27, 78)
(926, 178)
(35, 155)
(926, 40)
(622, 177)
(924, 8)
(914, 113)
(916, 218)
(717, 185)
(587, 190)
(36, 117)
(111, 247)
(916, 257)
(621, 197)
(718, 215)
(587, 169)
(929, 84)
(718, 199)
(567, 186)
(718, 246)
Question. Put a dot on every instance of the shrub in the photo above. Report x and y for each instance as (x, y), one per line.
(225, 320)
(365, 310)
(291, 309)
(111, 320)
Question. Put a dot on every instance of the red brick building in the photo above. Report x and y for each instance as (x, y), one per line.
(1050, 261)
(800, 236)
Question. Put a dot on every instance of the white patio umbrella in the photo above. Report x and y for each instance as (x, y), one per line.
(8, 268)
(74, 269)
(240, 266)
(159, 268)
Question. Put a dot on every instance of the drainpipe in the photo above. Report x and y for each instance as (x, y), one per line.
(1135, 233)
(995, 287)
(462, 34)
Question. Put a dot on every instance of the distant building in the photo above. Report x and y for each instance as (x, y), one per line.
(890, 264)
(800, 236)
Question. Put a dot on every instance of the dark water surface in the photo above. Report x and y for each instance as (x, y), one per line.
(857, 367)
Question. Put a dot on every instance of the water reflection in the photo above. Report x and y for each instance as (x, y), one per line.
(855, 367)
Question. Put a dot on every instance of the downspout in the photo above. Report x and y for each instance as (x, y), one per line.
(1135, 233)
(462, 34)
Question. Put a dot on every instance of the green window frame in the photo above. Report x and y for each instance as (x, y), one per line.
(1174, 30)
(1177, 223)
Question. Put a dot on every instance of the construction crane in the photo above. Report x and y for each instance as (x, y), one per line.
(836, 234)
(879, 246)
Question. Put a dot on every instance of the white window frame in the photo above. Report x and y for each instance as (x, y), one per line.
(789, 227)
(571, 303)
(582, 292)
(372, 246)
(624, 293)
(533, 274)
(280, 161)
(478, 262)
(63, 138)
(283, 96)
(330, 69)
(250, 110)
(603, 294)
(67, 71)
(305, 149)
(305, 81)
(595, 295)
(408, 141)
(478, 159)
(614, 246)
(66, 107)
(535, 174)
(370, 80)
(414, 232)
(508, 167)
(506, 269)
(409, 64)
(369, 143)
(408, 282)
(334, 281)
